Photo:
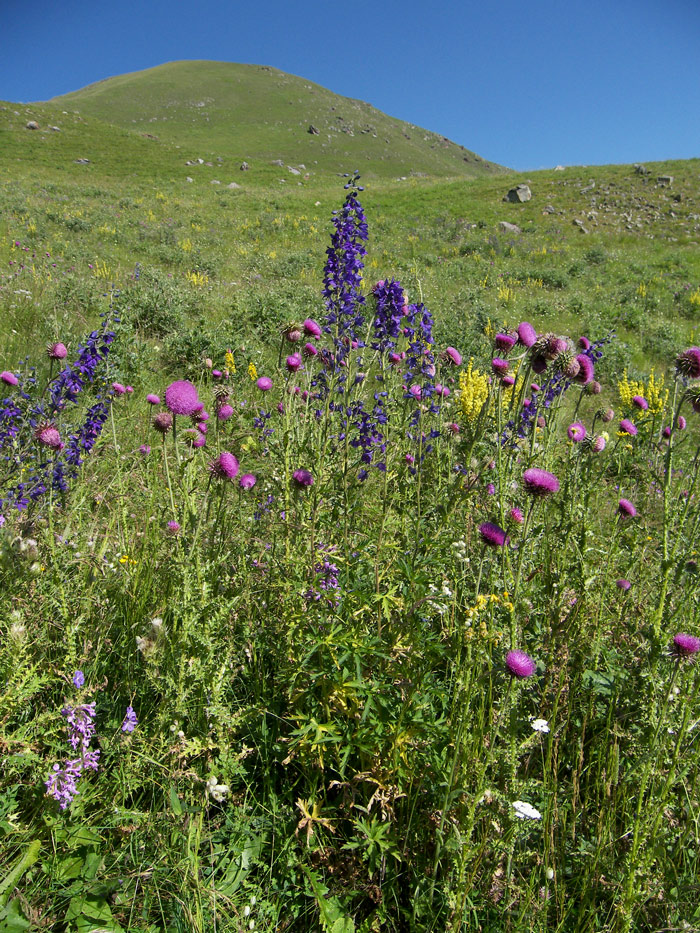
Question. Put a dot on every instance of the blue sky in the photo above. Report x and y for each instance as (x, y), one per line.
(529, 85)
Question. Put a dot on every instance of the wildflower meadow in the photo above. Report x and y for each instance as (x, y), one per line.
(361, 631)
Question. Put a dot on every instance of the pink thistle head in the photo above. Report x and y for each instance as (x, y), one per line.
(264, 383)
(302, 478)
(312, 328)
(56, 351)
(493, 535)
(540, 482)
(294, 363)
(520, 664)
(626, 509)
(163, 422)
(9, 378)
(453, 356)
(309, 350)
(640, 402)
(48, 436)
(586, 369)
(118, 388)
(527, 335)
(584, 343)
(504, 342)
(173, 527)
(688, 363)
(685, 646)
(623, 584)
(181, 398)
(153, 399)
(516, 516)
(247, 481)
(224, 413)
(627, 427)
(225, 466)
(576, 432)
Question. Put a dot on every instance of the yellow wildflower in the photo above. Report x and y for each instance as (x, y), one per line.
(252, 371)
(473, 391)
(230, 363)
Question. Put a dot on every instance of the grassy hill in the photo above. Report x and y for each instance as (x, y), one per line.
(256, 114)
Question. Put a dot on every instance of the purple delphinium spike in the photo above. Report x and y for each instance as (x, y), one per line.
(130, 720)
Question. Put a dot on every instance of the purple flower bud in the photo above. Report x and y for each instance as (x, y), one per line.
(626, 509)
(493, 535)
(302, 478)
(153, 399)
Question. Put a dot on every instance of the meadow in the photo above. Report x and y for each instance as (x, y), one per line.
(349, 549)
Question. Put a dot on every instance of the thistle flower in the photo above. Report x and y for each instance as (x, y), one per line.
(640, 402)
(225, 466)
(685, 646)
(247, 481)
(302, 478)
(593, 387)
(118, 388)
(627, 427)
(293, 333)
(623, 584)
(520, 664)
(264, 383)
(516, 516)
(163, 422)
(172, 527)
(598, 445)
(584, 343)
(224, 413)
(687, 363)
(504, 342)
(586, 371)
(626, 509)
(508, 381)
(48, 436)
(607, 415)
(527, 335)
(500, 366)
(181, 398)
(9, 378)
(576, 432)
(294, 363)
(309, 350)
(452, 356)
(540, 482)
(153, 399)
(312, 328)
(144, 450)
(493, 535)
(56, 351)
(681, 423)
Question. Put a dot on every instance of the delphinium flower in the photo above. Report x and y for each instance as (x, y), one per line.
(493, 535)
(130, 720)
(225, 466)
(540, 482)
(576, 432)
(302, 478)
(686, 646)
(388, 317)
(181, 398)
(520, 664)
(626, 509)
(325, 585)
(342, 278)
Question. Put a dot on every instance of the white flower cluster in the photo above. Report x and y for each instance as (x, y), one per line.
(540, 725)
(526, 811)
(217, 791)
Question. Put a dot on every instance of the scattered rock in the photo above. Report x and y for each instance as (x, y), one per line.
(518, 194)
(589, 187)
(31, 125)
(665, 180)
(233, 185)
(278, 162)
(677, 197)
(312, 129)
(549, 209)
(579, 224)
(641, 169)
(558, 168)
(294, 171)
(81, 161)
(244, 166)
(147, 135)
(189, 179)
(55, 129)
(506, 227)
(215, 181)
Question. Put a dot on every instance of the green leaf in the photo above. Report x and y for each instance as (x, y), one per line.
(12, 920)
(175, 802)
(13, 876)
(69, 867)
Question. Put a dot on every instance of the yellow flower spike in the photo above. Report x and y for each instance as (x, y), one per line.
(473, 392)
(252, 371)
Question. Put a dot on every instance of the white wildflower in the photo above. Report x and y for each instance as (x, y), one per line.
(540, 725)
(526, 811)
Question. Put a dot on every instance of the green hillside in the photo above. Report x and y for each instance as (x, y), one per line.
(256, 114)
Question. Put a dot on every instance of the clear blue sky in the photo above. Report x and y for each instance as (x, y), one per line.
(527, 84)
